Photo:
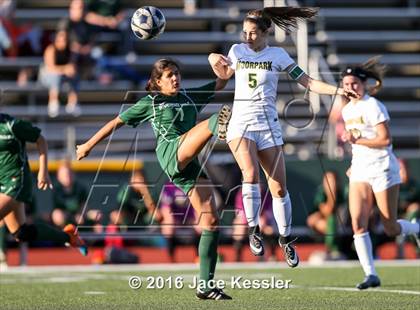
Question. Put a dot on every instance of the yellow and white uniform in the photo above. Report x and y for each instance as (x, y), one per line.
(254, 113)
(377, 166)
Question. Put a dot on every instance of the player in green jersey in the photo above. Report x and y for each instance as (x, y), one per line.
(172, 112)
(16, 184)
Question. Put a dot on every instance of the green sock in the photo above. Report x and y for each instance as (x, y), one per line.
(412, 215)
(3, 238)
(213, 126)
(50, 233)
(330, 237)
(207, 251)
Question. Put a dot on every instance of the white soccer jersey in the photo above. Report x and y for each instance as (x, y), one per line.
(256, 79)
(360, 118)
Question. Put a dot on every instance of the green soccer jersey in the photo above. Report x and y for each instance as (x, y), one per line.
(15, 175)
(170, 117)
(104, 8)
(13, 135)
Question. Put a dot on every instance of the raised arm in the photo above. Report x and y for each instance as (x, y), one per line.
(220, 84)
(220, 65)
(84, 149)
(316, 86)
(44, 181)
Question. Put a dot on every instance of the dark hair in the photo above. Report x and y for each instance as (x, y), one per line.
(370, 69)
(284, 17)
(157, 71)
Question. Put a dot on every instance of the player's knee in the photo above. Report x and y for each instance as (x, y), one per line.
(279, 191)
(212, 221)
(58, 217)
(209, 221)
(311, 220)
(358, 228)
(26, 233)
(391, 229)
(250, 175)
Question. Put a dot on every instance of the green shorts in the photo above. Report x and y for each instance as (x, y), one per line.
(167, 154)
(17, 185)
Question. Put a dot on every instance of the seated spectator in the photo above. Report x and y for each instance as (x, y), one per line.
(115, 251)
(136, 204)
(81, 38)
(409, 203)
(58, 69)
(267, 225)
(105, 14)
(109, 16)
(18, 40)
(69, 197)
(325, 219)
(178, 219)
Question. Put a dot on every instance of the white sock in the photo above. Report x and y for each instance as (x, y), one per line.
(408, 228)
(363, 246)
(251, 198)
(282, 210)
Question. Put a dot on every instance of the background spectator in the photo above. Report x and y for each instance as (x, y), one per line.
(178, 219)
(326, 218)
(409, 204)
(18, 40)
(81, 38)
(136, 204)
(58, 69)
(69, 197)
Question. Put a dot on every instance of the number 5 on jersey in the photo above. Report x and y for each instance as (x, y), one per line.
(252, 80)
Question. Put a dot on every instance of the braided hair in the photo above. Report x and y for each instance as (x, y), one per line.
(371, 69)
(284, 17)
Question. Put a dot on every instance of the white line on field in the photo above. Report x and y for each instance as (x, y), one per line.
(195, 267)
(94, 293)
(351, 289)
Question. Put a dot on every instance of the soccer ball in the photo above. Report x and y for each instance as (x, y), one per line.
(148, 22)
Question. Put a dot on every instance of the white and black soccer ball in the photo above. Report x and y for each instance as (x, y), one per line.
(148, 22)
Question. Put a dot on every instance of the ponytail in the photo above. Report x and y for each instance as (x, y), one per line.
(376, 71)
(370, 69)
(284, 17)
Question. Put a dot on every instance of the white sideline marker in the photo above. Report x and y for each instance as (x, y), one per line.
(94, 293)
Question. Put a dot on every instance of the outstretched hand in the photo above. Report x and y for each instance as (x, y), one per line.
(44, 181)
(82, 151)
(219, 60)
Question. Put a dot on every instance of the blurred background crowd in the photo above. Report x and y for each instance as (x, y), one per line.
(70, 65)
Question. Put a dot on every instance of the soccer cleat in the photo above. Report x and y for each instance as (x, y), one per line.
(215, 294)
(256, 244)
(75, 240)
(223, 121)
(417, 236)
(369, 281)
(289, 252)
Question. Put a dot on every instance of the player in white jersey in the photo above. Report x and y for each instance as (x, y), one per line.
(374, 166)
(254, 134)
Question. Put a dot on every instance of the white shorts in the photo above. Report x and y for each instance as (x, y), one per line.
(263, 138)
(380, 182)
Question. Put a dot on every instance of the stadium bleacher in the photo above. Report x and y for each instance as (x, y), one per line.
(386, 27)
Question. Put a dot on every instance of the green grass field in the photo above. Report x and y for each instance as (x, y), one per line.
(107, 287)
